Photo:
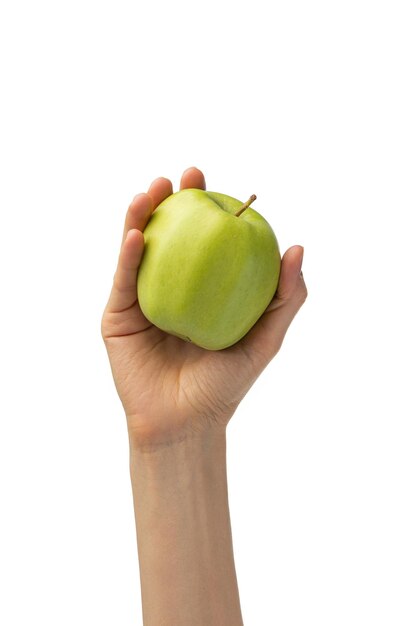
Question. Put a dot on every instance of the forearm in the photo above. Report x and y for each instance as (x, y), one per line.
(184, 534)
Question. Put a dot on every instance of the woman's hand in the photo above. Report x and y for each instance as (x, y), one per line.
(171, 389)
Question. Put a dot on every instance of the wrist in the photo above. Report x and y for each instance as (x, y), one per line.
(150, 440)
(199, 456)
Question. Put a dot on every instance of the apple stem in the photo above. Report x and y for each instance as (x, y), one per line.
(245, 205)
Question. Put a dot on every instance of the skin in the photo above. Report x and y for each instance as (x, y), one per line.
(178, 399)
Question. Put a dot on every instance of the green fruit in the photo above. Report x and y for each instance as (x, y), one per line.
(210, 268)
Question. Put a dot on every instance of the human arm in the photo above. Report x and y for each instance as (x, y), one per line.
(184, 534)
(178, 399)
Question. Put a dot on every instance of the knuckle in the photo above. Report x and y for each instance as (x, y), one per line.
(105, 326)
(304, 293)
(302, 289)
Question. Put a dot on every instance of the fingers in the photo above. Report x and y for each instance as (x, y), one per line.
(143, 204)
(123, 295)
(122, 315)
(159, 190)
(138, 214)
(267, 335)
(192, 179)
(124, 292)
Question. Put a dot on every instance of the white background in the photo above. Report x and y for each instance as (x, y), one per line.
(313, 106)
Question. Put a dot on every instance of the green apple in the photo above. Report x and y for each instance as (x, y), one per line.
(210, 267)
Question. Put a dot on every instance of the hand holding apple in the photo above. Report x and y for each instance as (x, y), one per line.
(171, 388)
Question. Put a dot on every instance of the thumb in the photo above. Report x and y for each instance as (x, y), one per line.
(267, 334)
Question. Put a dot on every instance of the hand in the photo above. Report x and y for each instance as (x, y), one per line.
(171, 389)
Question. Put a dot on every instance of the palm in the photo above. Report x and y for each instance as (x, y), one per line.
(194, 383)
(170, 387)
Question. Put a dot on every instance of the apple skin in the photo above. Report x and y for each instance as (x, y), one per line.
(206, 275)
